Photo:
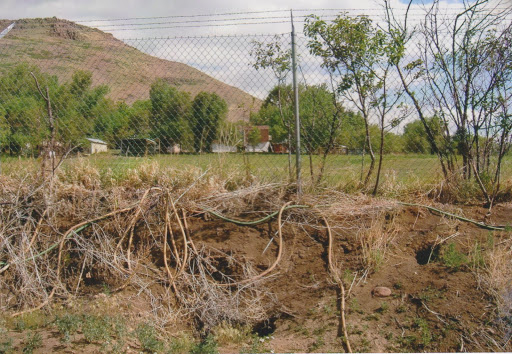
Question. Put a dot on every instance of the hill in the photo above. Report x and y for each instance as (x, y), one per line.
(60, 47)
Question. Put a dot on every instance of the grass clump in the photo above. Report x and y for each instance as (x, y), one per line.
(452, 258)
(68, 325)
(206, 346)
(148, 338)
(5, 340)
(425, 334)
(32, 342)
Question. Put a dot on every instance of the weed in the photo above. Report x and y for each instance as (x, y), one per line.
(476, 256)
(5, 341)
(375, 241)
(207, 346)
(329, 310)
(226, 333)
(319, 342)
(372, 317)
(365, 345)
(106, 289)
(68, 325)
(33, 341)
(19, 325)
(452, 258)
(148, 339)
(181, 344)
(258, 345)
(355, 306)
(348, 276)
(384, 307)
(426, 336)
(354, 330)
(401, 309)
(33, 320)
(319, 331)
(302, 330)
(429, 293)
(398, 285)
(96, 329)
(407, 343)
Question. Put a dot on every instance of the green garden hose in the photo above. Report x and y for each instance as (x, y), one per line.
(479, 224)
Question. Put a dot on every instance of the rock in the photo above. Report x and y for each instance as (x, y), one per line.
(381, 291)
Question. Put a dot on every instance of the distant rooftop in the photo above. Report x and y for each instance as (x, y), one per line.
(97, 141)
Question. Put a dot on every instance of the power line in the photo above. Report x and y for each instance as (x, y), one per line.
(287, 18)
(199, 26)
(454, 10)
(181, 16)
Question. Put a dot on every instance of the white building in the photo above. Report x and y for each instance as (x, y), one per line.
(97, 145)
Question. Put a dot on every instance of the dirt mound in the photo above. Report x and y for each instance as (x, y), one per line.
(176, 268)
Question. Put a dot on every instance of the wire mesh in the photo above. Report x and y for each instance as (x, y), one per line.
(68, 91)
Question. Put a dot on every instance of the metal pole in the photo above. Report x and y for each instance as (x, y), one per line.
(296, 111)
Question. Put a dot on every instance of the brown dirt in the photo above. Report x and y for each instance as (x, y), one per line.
(432, 307)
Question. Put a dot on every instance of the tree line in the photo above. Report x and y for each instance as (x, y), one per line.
(173, 117)
(81, 111)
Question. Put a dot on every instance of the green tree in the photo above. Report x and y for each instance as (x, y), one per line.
(25, 113)
(254, 137)
(416, 138)
(273, 56)
(208, 111)
(463, 73)
(169, 111)
(355, 53)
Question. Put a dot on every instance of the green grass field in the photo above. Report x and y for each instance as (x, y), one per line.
(398, 171)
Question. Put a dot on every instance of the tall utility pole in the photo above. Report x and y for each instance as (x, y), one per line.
(296, 111)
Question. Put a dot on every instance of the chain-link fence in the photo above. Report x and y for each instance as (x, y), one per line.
(379, 102)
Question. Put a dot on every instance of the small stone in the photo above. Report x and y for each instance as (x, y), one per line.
(381, 291)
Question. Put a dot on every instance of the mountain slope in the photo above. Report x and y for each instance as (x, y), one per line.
(61, 47)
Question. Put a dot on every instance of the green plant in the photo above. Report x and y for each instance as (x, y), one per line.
(319, 342)
(106, 289)
(452, 258)
(430, 293)
(258, 345)
(426, 335)
(384, 307)
(96, 329)
(401, 309)
(5, 341)
(207, 346)
(148, 339)
(33, 341)
(180, 344)
(355, 306)
(226, 333)
(68, 325)
(372, 317)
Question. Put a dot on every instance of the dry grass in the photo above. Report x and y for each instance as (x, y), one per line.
(80, 226)
(495, 278)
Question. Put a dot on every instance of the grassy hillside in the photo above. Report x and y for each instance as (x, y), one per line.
(60, 47)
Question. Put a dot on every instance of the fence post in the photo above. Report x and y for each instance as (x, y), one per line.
(296, 111)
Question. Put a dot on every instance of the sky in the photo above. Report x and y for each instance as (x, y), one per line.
(143, 10)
